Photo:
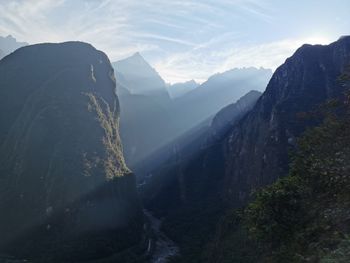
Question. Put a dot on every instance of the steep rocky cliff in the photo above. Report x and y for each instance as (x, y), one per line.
(186, 187)
(66, 194)
(257, 148)
(251, 154)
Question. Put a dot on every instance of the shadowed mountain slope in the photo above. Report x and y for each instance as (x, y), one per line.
(257, 148)
(66, 193)
(251, 154)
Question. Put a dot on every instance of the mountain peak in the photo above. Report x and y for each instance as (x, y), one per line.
(138, 76)
(344, 37)
(138, 56)
(136, 62)
(9, 44)
(136, 59)
(10, 37)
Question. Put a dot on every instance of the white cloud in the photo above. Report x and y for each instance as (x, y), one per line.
(206, 63)
(183, 39)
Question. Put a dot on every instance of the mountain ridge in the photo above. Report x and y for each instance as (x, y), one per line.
(139, 77)
(67, 194)
(313, 69)
(252, 154)
(9, 44)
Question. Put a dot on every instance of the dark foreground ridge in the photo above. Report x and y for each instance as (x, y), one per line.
(66, 193)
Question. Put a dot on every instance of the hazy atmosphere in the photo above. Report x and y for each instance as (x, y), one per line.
(185, 131)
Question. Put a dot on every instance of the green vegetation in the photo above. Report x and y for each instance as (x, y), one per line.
(305, 216)
(110, 124)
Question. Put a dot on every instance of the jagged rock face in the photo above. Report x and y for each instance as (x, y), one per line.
(65, 188)
(257, 148)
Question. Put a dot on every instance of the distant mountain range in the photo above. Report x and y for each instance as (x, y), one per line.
(189, 145)
(151, 118)
(219, 91)
(179, 89)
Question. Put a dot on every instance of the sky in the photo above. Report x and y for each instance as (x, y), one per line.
(182, 39)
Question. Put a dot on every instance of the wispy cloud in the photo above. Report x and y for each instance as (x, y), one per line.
(206, 62)
(183, 39)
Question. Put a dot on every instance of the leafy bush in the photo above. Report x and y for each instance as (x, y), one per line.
(301, 217)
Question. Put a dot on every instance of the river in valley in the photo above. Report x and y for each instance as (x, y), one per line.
(165, 248)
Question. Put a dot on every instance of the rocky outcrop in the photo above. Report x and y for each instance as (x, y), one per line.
(257, 148)
(66, 194)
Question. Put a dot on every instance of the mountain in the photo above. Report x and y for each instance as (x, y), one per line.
(9, 44)
(137, 76)
(150, 119)
(2, 54)
(183, 186)
(225, 118)
(145, 125)
(192, 142)
(301, 217)
(144, 103)
(197, 203)
(219, 91)
(66, 193)
(265, 136)
(180, 89)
